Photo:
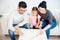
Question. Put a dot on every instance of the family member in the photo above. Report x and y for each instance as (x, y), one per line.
(18, 20)
(48, 20)
(34, 19)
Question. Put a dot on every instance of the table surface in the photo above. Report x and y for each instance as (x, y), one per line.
(32, 34)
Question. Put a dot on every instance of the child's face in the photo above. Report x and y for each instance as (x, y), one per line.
(34, 12)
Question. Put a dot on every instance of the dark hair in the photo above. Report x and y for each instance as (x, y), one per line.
(36, 9)
(42, 4)
(22, 4)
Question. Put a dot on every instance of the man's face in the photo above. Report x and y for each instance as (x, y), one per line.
(42, 10)
(21, 10)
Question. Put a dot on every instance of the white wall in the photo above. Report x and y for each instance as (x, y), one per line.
(8, 5)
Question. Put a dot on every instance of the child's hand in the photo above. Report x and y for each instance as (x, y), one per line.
(37, 26)
(31, 26)
(40, 26)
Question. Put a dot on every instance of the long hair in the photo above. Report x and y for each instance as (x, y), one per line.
(35, 8)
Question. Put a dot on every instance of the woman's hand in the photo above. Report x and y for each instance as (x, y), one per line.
(41, 31)
(17, 30)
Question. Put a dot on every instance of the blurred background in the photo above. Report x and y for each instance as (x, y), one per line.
(7, 6)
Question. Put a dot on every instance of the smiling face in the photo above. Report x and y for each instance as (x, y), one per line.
(34, 12)
(21, 10)
(42, 10)
(22, 7)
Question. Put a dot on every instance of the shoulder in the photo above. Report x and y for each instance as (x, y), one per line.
(48, 11)
(39, 16)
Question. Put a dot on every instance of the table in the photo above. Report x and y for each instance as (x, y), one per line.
(32, 34)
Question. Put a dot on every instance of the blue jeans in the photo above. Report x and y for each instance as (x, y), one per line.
(45, 23)
(11, 33)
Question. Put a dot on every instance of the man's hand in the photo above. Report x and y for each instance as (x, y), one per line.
(17, 30)
(20, 33)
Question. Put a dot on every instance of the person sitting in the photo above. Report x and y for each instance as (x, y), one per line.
(48, 20)
(34, 19)
(17, 20)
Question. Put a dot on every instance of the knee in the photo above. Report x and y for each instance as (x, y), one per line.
(11, 33)
(26, 24)
(53, 25)
(48, 31)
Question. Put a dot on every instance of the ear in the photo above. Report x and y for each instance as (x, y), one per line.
(18, 9)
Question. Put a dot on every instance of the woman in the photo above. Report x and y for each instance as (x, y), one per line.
(48, 20)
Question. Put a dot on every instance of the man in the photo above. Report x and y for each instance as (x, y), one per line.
(48, 20)
(18, 19)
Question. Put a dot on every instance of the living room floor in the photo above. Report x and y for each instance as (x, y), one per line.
(8, 38)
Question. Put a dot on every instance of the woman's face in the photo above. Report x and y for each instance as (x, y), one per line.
(42, 10)
(34, 12)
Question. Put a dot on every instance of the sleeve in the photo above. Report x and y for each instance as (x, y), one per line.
(10, 23)
(50, 17)
(25, 17)
(39, 16)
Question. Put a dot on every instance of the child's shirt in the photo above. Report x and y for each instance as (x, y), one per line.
(33, 18)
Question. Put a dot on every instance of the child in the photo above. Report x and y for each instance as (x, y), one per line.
(34, 19)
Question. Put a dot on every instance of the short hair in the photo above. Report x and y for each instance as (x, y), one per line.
(35, 9)
(22, 4)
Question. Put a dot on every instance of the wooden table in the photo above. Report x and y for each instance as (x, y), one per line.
(32, 34)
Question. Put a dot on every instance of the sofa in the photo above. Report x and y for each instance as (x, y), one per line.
(4, 25)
